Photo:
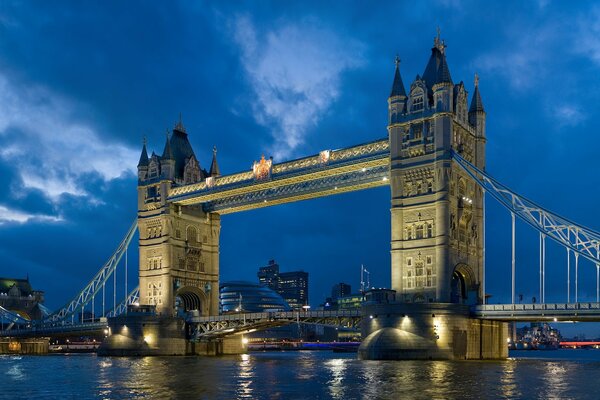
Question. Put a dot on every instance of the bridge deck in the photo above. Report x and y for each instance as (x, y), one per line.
(223, 325)
(539, 312)
(85, 328)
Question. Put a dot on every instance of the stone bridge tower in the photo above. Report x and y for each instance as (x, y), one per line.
(179, 245)
(437, 210)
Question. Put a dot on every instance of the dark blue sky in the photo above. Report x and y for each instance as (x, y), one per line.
(81, 84)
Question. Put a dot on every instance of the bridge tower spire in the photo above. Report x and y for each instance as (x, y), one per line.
(437, 210)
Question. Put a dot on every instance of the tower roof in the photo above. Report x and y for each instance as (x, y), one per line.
(398, 85)
(214, 166)
(443, 73)
(476, 103)
(437, 70)
(181, 148)
(144, 156)
(167, 152)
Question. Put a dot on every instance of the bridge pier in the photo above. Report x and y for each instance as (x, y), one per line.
(218, 347)
(429, 331)
(151, 335)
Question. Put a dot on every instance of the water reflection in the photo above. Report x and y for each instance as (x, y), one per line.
(337, 368)
(245, 377)
(508, 384)
(554, 377)
(296, 375)
(16, 373)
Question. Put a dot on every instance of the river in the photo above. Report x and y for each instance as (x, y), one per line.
(300, 375)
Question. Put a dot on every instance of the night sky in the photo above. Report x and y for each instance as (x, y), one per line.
(81, 84)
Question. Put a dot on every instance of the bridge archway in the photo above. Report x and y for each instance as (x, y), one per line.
(463, 282)
(189, 298)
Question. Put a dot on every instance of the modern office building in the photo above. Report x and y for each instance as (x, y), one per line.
(292, 286)
(269, 275)
(340, 290)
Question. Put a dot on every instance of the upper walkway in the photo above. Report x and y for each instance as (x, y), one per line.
(329, 172)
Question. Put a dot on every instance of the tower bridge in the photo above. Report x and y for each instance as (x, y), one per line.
(433, 160)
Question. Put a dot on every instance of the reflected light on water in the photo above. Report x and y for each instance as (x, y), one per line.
(245, 377)
(508, 384)
(16, 373)
(554, 379)
(337, 368)
(441, 375)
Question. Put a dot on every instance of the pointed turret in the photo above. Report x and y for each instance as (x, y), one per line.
(144, 156)
(143, 163)
(214, 166)
(476, 103)
(167, 152)
(398, 85)
(167, 160)
(397, 99)
(476, 111)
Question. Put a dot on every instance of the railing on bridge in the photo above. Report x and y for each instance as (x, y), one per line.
(222, 325)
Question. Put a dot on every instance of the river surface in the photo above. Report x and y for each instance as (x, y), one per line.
(561, 374)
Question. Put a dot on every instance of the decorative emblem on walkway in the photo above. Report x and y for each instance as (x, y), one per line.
(262, 169)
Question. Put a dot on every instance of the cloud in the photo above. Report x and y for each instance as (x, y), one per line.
(8, 215)
(523, 59)
(568, 115)
(585, 36)
(50, 148)
(295, 72)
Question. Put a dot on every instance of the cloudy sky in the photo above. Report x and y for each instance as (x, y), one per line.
(82, 84)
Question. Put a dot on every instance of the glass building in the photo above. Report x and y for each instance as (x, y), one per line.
(249, 297)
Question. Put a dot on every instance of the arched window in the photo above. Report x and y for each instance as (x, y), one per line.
(419, 187)
(192, 235)
(420, 231)
(429, 230)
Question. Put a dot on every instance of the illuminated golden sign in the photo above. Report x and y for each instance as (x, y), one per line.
(210, 182)
(324, 156)
(262, 169)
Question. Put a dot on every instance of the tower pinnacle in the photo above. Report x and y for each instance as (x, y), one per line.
(214, 167)
(179, 126)
(167, 152)
(398, 85)
(438, 42)
(144, 156)
(476, 103)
